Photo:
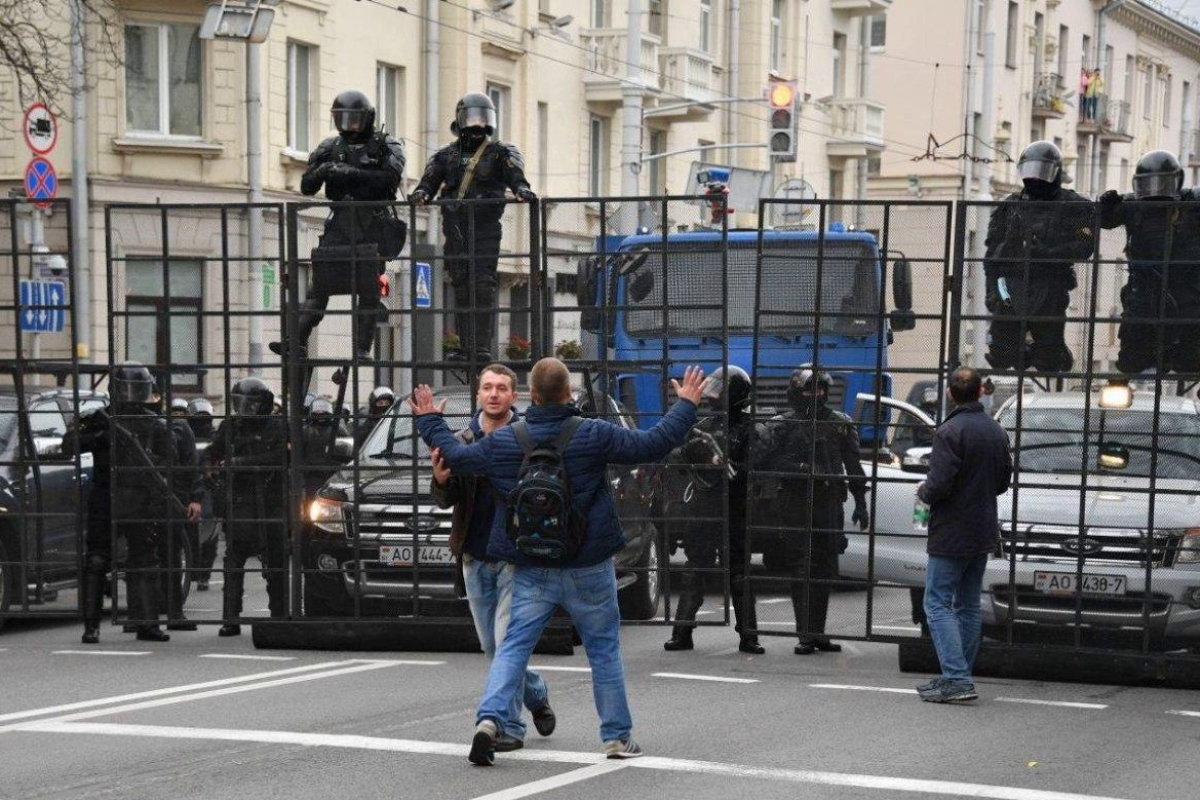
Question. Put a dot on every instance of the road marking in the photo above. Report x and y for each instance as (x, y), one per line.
(680, 765)
(1055, 703)
(540, 668)
(556, 781)
(774, 600)
(1185, 713)
(238, 657)
(861, 688)
(714, 678)
(100, 652)
(909, 628)
(190, 687)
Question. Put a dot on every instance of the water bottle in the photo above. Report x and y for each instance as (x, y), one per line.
(920, 515)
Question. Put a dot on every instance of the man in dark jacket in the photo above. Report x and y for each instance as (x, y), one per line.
(486, 581)
(584, 585)
(970, 466)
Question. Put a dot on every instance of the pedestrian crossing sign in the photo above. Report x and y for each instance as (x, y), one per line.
(423, 281)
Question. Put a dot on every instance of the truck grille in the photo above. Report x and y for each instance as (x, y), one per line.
(397, 523)
(1128, 547)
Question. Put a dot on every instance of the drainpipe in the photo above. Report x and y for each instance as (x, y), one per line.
(631, 121)
(254, 194)
(864, 89)
(734, 90)
(80, 251)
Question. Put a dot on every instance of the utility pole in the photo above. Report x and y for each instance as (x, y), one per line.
(631, 120)
(79, 187)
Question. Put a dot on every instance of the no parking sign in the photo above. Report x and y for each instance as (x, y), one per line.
(41, 182)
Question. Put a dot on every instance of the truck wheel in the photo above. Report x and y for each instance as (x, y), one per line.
(6, 584)
(639, 600)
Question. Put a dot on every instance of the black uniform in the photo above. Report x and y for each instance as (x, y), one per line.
(371, 169)
(1033, 245)
(185, 481)
(318, 458)
(473, 230)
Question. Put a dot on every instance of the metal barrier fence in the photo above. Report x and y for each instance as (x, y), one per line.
(1095, 547)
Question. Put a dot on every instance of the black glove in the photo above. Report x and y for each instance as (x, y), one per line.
(525, 194)
(418, 197)
(861, 516)
(1111, 199)
(341, 172)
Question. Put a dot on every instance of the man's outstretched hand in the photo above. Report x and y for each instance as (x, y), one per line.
(421, 402)
(692, 388)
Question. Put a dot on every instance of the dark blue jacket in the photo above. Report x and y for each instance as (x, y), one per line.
(970, 466)
(594, 446)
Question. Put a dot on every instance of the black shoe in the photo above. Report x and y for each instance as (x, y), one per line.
(951, 692)
(506, 743)
(363, 356)
(230, 630)
(681, 639)
(483, 745)
(544, 720)
(826, 646)
(749, 644)
(804, 649)
(152, 633)
(275, 347)
(484, 356)
(181, 625)
(129, 628)
(91, 633)
(201, 586)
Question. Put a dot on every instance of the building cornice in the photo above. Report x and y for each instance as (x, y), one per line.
(1147, 20)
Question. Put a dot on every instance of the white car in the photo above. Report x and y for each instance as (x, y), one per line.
(1115, 554)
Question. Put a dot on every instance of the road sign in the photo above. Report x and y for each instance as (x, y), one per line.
(423, 280)
(43, 306)
(41, 129)
(41, 181)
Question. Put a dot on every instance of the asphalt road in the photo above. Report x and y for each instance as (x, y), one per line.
(204, 717)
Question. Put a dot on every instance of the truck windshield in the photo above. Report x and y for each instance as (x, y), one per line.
(849, 286)
(1052, 440)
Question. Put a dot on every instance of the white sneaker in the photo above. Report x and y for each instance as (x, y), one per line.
(622, 748)
(483, 745)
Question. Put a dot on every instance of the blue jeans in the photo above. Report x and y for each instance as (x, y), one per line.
(489, 592)
(589, 596)
(953, 586)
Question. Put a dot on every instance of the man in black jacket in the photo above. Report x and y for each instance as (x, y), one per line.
(970, 466)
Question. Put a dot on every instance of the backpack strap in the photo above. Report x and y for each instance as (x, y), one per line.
(520, 430)
(564, 436)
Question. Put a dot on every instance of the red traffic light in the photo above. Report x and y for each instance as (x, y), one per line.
(782, 95)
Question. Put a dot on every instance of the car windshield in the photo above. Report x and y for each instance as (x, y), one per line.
(789, 288)
(1053, 439)
(395, 439)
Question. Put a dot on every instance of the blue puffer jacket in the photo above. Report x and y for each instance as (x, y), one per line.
(595, 445)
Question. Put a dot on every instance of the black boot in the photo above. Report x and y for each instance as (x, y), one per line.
(143, 596)
(232, 602)
(745, 620)
(681, 639)
(91, 631)
(93, 603)
(691, 597)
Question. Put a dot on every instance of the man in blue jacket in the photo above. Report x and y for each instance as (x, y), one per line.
(586, 585)
(970, 466)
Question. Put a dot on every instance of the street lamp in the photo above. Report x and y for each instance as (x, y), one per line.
(249, 21)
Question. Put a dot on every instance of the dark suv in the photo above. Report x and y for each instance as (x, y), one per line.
(361, 532)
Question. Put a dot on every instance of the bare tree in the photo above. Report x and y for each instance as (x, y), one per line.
(35, 46)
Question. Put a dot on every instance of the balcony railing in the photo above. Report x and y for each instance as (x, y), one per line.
(856, 127)
(1048, 91)
(687, 73)
(607, 54)
(1105, 115)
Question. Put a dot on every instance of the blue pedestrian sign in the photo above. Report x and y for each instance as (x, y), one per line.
(43, 306)
(423, 281)
(41, 181)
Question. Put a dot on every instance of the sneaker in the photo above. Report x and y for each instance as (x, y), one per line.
(951, 692)
(622, 748)
(544, 720)
(932, 686)
(506, 743)
(483, 745)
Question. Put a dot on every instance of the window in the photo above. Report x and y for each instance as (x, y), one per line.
(1167, 101)
(543, 138)
(1085, 52)
(1039, 37)
(299, 96)
(162, 79)
(566, 283)
(776, 34)
(839, 64)
(1064, 40)
(980, 37)
(1011, 36)
(598, 157)
(658, 169)
(389, 97)
(159, 331)
(543, 6)
(874, 165)
(1130, 71)
(706, 13)
(1148, 92)
(879, 30)
(1109, 58)
(657, 13)
(599, 14)
(499, 95)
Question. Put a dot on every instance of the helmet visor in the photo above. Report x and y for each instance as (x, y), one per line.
(1155, 184)
(1039, 170)
(247, 405)
(350, 120)
(476, 116)
(132, 391)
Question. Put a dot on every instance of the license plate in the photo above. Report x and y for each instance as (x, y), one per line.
(401, 555)
(1069, 583)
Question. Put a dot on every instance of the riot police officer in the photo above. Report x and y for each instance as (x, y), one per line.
(185, 482)
(809, 454)
(1034, 239)
(360, 163)
(474, 168)
(200, 418)
(1162, 244)
(249, 450)
(319, 449)
(378, 404)
(708, 452)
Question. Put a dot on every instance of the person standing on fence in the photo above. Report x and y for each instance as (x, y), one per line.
(555, 462)
(474, 168)
(485, 580)
(1162, 242)
(1034, 239)
(970, 466)
(361, 163)
(719, 442)
(249, 452)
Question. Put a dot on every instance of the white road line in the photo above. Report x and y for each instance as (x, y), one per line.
(860, 688)
(1185, 713)
(100, 652)
(238, 657)
(1055, 703)
(556, 781)
(714, 678)
(189, 687)
(882, 782)
(541, 668)
(774, 600)
(910, 628)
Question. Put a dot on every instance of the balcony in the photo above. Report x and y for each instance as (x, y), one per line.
(607, 63)
(856, 128)
(1048, 92)
(860, 8)
(687, 75)
(1106, 117)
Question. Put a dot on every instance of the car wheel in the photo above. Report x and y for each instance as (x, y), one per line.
(6, 584)
(639, 600)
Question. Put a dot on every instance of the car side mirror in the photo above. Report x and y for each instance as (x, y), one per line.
(641, 286)
(48, 448)
(902, 317)
(916, 460)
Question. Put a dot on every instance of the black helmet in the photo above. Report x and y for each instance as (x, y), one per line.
(1158, 175)
(474, 110)
(251, 397)
(382, 398)
(198, 406)
(132, 384)
(728, 388)
(353, 115)
(1040, 167)
(806, 377)
(179, 407)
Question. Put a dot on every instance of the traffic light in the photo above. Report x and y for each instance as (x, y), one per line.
(781, 138)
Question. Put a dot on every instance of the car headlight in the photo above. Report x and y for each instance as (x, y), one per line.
(1189, 547)
(327, 515)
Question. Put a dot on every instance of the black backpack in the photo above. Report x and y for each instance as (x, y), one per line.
(542, 521)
